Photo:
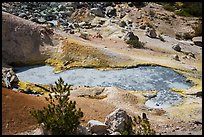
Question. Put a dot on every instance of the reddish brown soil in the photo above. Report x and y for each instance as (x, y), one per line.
(16, 107)
(15, 111)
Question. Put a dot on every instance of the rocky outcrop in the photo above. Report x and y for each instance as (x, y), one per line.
(176, 47)
(176, 57)
(130, 36)
(151, 33)
(23, 41)
(197, 41)
(110, 12)
(97, 12)
(9, 78)
(118, 120)
(95, 126)
(115, 123)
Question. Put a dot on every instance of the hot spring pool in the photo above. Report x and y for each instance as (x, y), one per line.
(141, 78)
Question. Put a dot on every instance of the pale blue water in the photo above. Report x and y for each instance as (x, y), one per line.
(142, 78)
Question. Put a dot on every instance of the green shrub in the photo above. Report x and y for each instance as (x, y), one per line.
(135, 43)
(182, 13)
(184, 8)
(169, 7)
(142, 126)
(60, 117)
(193, 8)
(125, 132)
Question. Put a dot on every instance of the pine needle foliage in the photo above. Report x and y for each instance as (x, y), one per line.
(61, 116)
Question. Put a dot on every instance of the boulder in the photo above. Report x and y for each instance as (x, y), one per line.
(9, 78)
(197, 41)
(122, 24)
(110, 12)
(95, 126)
(72, 4)
(81, 130)
(115, 133)
(118, 121)
(43, 130)
(97, 12)
(151, 33)
(143, 26)
(98, 21)
(176, 57)
(130, 36)
(23, 41)
(176, 47)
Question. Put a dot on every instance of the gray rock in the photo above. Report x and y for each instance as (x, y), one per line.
(96, 21)
(95, 126)
(176, 47)
(81, 130)
(22, 15)
(43, 130)
(97, 12)
(110, 11)
(130, 36)
(190, 54)
(53, 22)
(151, 33)
(61, 7)
(54, 4)
(115, 133)
(121, 14)
(72, 4)
(176, 57)
(82, 24)
(118, 120)
(41, 20)
(24, 42)
(122, 24)
(9, 77)
(34, 19)
(197, 41)
(43, 13)
(68, 13)
(115, 21)
(70, 9)
(143, 26)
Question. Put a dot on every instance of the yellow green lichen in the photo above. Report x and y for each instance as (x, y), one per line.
(27, 85)
(193, 77)
(197, 84)
(178, 91)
